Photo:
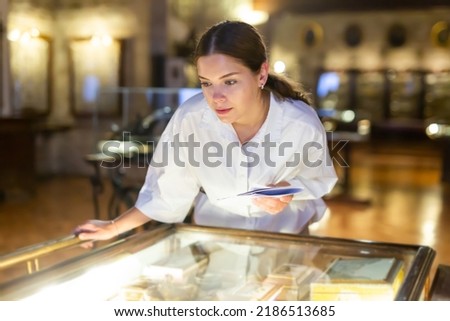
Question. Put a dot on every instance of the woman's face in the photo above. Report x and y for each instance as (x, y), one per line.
(231, 89)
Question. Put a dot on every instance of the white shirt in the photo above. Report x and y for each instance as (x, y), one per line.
(198, 150)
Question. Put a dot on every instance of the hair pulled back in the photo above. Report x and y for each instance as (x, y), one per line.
(243, 42)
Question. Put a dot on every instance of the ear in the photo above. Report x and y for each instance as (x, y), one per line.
(264, 72)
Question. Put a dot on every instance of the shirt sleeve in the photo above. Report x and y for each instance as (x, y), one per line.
(170, 186)
(315, 173)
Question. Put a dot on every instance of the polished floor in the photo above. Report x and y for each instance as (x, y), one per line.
(408, 203)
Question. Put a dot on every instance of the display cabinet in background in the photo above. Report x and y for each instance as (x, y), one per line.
(391, 102)
(370, 97)
(335, 99)
(185, 262)
(406, 92)
(437, 113)
(437, 88)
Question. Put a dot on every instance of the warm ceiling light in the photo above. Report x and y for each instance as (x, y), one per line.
(25, 37)
(279, 66)
(101, 40)
(34, 32)
(14, 35)
(256, 17)
(253, 17)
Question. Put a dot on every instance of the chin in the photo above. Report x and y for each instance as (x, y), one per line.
(225, 120)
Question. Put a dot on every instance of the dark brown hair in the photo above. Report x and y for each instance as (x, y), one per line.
(243, 42)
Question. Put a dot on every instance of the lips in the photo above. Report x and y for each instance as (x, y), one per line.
(223, 111)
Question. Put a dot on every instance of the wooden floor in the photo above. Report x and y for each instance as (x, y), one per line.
(409, 204)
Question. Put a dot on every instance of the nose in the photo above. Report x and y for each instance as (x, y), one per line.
(218, 95)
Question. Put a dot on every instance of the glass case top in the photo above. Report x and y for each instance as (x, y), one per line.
(183, 262)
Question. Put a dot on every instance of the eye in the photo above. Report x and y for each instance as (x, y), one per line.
(230, 82)
(205, 84)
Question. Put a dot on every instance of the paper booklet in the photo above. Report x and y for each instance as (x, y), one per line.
(269, 192)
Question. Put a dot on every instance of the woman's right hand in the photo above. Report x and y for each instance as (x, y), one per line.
(96, 230)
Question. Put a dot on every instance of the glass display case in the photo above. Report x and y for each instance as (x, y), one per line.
(437, 115)
(437, 88)
(334, 99)
(349, 100)
(333, 91)
(187, 262)
(370, 97)
(437, 111)
(406, 91)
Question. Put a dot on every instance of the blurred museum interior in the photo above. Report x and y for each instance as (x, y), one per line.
(75, 73)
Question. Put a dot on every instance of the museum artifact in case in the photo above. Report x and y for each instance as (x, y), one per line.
(188, 262)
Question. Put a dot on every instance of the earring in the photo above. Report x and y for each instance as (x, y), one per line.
(262, 86)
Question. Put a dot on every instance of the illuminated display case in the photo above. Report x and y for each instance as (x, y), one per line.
(437, 111)
(334, 99)
(185, 262)
(370, 97)
(345, 98)
(388, 100)
(405, 95)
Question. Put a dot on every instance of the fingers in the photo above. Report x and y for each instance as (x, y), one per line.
(101, 234)
(286, 199)
(272, 205)
(87, 245)
(85, 228)
(86, 235)
(92, 230)
(83, 234)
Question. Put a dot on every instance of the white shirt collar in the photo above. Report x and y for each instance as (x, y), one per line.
(272, 125)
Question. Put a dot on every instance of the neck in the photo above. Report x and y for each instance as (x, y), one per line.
(246, 131)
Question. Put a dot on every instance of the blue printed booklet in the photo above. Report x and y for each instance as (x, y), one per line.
(270, 192)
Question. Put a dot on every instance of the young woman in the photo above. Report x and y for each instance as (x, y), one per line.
(247, 129)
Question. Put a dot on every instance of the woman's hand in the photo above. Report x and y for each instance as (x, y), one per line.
(96, 230)
(273, 205)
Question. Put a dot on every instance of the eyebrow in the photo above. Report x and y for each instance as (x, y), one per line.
(224, 76)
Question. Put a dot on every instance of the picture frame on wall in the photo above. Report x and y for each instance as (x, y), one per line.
(397, 35)
(312, 35)
(95, 66)
(30, 63)
(353, 35)
(440, 34)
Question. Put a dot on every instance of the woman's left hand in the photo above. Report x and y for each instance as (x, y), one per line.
(273, 205)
